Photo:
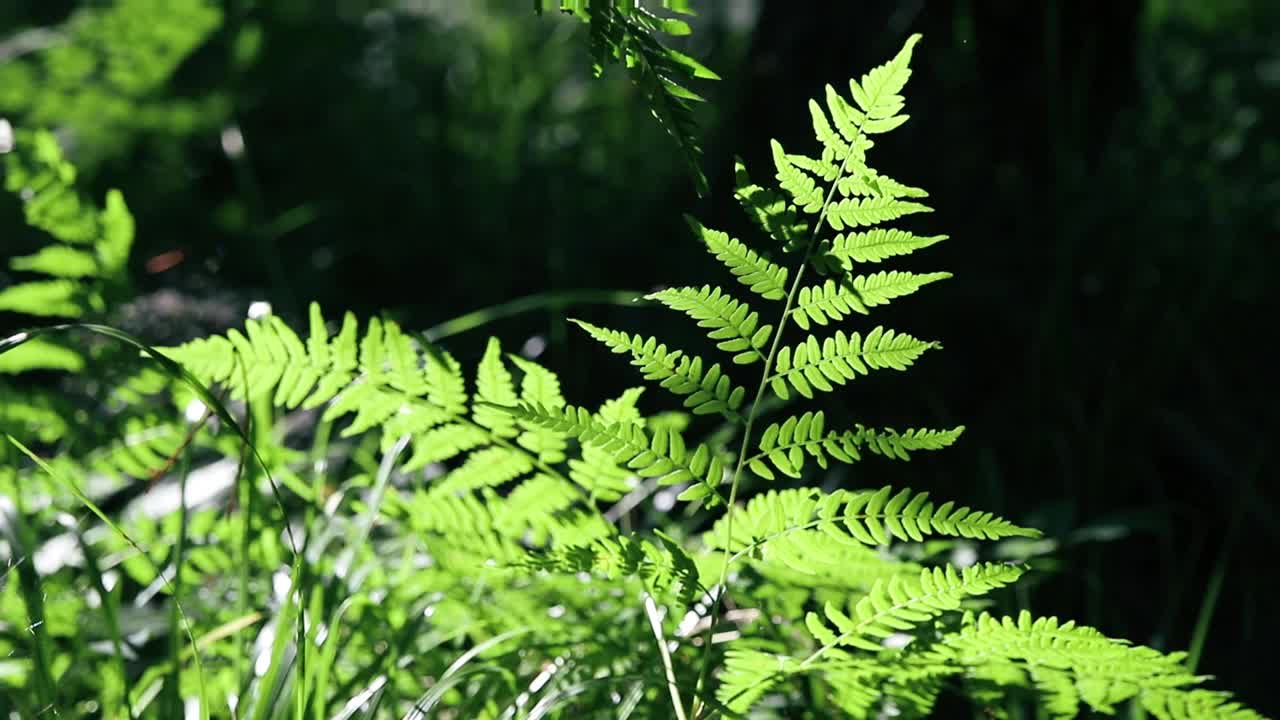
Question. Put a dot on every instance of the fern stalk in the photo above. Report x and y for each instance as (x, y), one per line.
(752, 414)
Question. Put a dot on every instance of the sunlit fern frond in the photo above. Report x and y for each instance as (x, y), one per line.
(837, 359)
(705, 387)
(871, 517)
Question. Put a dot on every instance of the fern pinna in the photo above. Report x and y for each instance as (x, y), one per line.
(827, 602)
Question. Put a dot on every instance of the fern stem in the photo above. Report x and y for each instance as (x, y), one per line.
(651, 610)
(792, 293)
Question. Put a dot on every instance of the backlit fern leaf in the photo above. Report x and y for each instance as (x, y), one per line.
(626, 32)
(79, 273)
(871, 517)
(146, 445)
(382, 378)
(768, 209)
(597, 471)
(537, 508)
(705, 389)
(441, 443)
(540, 386)
(838, 359)
(663, 455)
(860, 212)
(900, 604)
(664, 567)
(785, 445)
(494, 386)
(1078, 664)
(489, 467)
(832, 301)
(733, 324)
(809, 558)
(765, 278)
(748, 674)
(870, 246)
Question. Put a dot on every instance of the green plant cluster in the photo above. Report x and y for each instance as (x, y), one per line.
(364, 525)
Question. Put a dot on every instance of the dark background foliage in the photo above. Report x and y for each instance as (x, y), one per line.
(1107, 171)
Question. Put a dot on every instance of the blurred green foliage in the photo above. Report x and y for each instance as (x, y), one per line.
(1109, 172)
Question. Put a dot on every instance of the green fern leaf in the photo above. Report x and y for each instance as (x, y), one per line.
(870, 517)
(766, 279)
(900, 604)
(871, 246)
(663, 456)
(438, 443)
(733, 323)
(705, 389)
(490, 467)
(802, 188)
(664, 567)
(630, 34)
(494, 386)
(785, 445)
(834, 301)
(540, 387)
(768, 209)
(836, 360)
(40, 354)
(809, 559)
(878, 93)
(1076, 664)
(48, 298)
(58, 261)
(536, 511)
(857, 212)
(749, 674)
(596, 471)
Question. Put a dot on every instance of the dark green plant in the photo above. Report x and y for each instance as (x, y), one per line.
(622, 31)
(501, 569)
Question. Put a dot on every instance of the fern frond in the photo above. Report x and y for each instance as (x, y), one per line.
(628, 33)
(859, 212)
(381, 378)
(490, 467)
(869, 246)
(768, 209)
(1198, 704)
(538, 511)
(663, 456)
(803, 189)
(539, 386)
(785, 445)
(34, 412)
(48, 298)
(440, 443)
(596, 471)
(705, 389)
(900, 604)
(494, 386)
(464, 517)
(748, 674)
(832, 301)
(145, 445)
(81, 272)
(836, 360)
(809, 559)
(765, 278)
(733, 324)
(878, 94)
(871, 517)
(40, 354)
(1077, 664)
(663, 567)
